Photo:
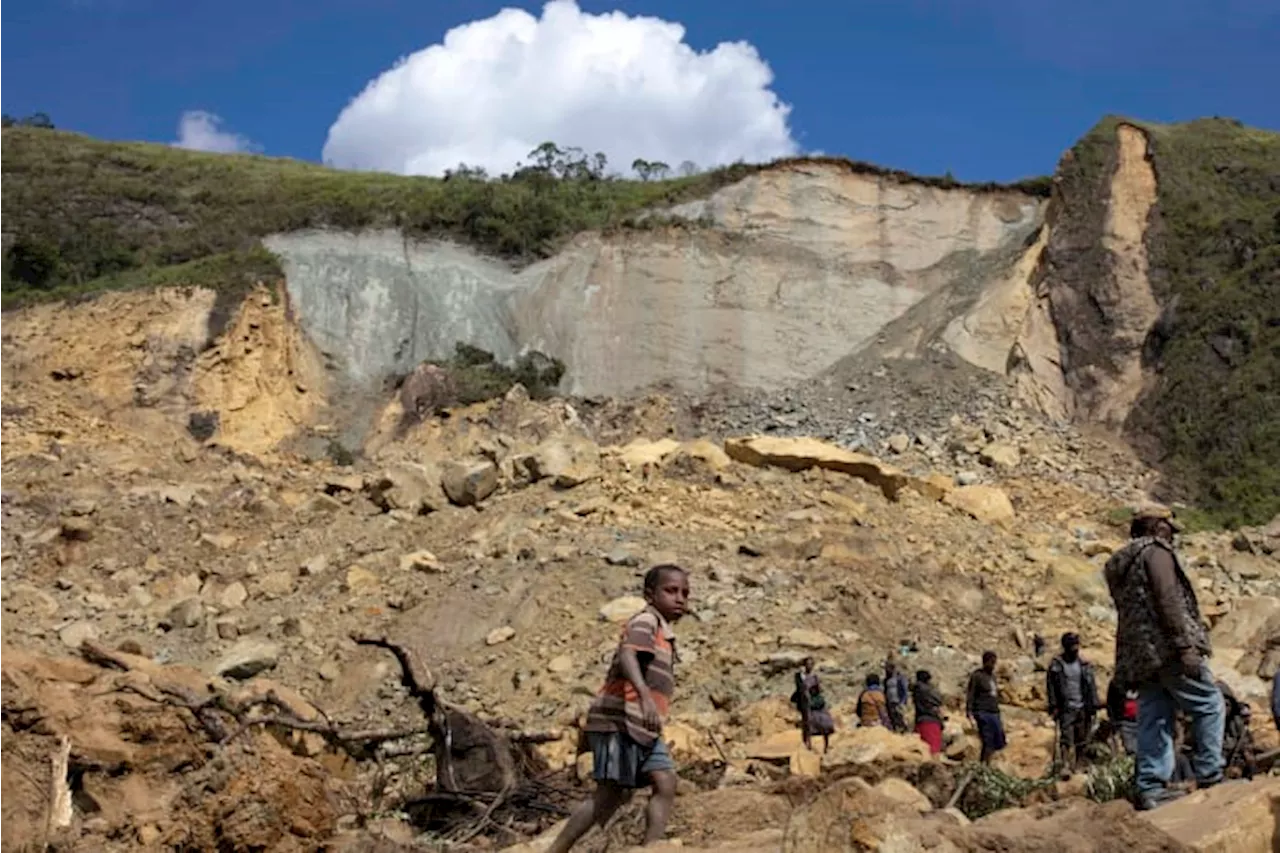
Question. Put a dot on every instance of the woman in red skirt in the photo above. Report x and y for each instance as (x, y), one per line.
(928, 702)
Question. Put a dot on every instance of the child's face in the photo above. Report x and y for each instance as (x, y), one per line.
(671, 595)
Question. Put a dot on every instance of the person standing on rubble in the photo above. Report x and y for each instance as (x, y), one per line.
(815, 719)
(1161, 648)
(1073, 700)
(896, 695)
(982, 706)
(928, 702)
(624, 722)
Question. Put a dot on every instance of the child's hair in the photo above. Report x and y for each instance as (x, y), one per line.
(923, 676)
(653, 577)
(988, 656)
(873, 680)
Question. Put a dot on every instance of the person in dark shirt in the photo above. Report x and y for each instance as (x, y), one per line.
(928, 702)
(982, 706)
(1073, 700)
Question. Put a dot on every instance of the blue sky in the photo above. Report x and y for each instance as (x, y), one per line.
(984, 88)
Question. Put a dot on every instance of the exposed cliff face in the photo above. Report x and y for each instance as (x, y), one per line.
(803, 265)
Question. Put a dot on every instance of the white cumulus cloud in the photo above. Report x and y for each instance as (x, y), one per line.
(201, 131)
(499, 87)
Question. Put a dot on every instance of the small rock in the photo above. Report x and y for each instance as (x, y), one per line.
(81, 507)
(248, 658)
(221, 541)
(227, 629)
(187, 613)
(148, 834)
(621, 557)
(1000, 455)
(499, 635)
(330, 671)
(338, 483)
(560, 664)
(967, 478)
(809, 639)
(361, 581)
(422, 561)
(74, 635)
(317, 565)
(77, 528)
(899, 443)
(621, 609)
(233, 596)
(275, 584)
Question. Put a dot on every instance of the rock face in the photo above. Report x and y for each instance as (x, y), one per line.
(831, 256)
(468, 483)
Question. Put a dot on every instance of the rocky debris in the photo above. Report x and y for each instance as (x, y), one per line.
(985, 503)
(361, 581)
(469, 483)
(187, 613)
(336, 484)
(221, 541)
(898, 442)
(247, 658)
(800, 454)
(77, 528)
(234, 596)
(622, 557)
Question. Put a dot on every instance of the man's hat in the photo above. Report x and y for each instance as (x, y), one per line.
(1160, 512)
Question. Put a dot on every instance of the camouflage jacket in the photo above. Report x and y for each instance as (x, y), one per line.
(1147, 639)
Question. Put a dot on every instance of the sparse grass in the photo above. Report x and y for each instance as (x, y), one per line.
(1214, 247)
(1111, 780)
(85, 215)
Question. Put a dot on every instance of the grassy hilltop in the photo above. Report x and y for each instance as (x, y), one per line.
(86, 215)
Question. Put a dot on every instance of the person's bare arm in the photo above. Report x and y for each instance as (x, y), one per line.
(630, 662)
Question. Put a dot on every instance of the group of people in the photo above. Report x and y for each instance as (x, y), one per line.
(1161, 680)
(882, 702)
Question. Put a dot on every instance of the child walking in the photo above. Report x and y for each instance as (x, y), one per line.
(624, 723)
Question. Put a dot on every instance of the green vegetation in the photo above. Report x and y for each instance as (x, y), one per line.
(990, 790)
(478, 376)
(1214, 248)
(1112, 779)
(83, 215)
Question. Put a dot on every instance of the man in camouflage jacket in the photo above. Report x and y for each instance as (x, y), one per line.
(1161, 649)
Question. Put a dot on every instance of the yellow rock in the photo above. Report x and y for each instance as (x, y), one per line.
(777, 746)
(985, 503)
(1238, 817)
(640, 452)
(806, 763)
(800, 454)
(621, 609)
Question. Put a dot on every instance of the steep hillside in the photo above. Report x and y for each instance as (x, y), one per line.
(1165, 293)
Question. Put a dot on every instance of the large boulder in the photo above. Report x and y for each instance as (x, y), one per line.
(1238, 817)
(468, 483)
(427, 391)
(852, 816)
(800, 454)
(568, 461)
(406, 486)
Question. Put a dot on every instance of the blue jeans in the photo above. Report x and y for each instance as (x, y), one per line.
(1158, 701)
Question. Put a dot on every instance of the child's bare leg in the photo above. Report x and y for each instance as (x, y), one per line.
(606, 800)
(664, 794)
